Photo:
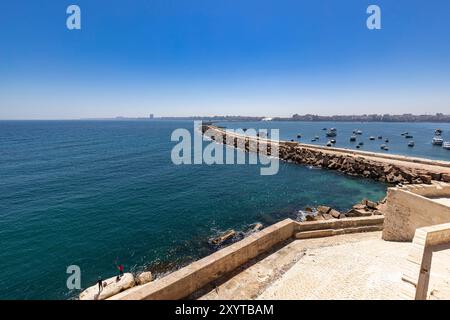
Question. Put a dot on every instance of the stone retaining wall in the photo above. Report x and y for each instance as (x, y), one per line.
(193, 277)
(411, 207)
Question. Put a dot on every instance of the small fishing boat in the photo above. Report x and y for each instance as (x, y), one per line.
(353, 138)
(329, 144)
(361, 143)
(333, 141)
(299, 136)
(317, 137)
(358, 147)
(384, 147)
(380, 137)
(313, 140)
(405, 133)
(387, 140)
(409, 136)
(331, 132)
(372, 138)
(437, 141)
(446, 145)
(438, 132)
(324, 129)
(411, 144)
(357, 132)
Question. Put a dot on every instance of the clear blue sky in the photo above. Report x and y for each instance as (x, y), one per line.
(206, 57)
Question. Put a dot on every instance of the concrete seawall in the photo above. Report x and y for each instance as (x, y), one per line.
(388, 168)
(182, 283)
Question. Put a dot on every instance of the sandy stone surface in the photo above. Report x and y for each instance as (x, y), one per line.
(251, 280)
(367, 270)
(352, 266)
(362, 270)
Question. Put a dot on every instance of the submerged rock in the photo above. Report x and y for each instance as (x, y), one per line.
(224, 237)
(111, 287)
(255, 227)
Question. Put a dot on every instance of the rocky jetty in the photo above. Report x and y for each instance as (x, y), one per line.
(394, 169)
(357, 166)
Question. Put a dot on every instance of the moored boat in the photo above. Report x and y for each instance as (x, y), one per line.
(331, 132)
(446, 145)
(372, 138)
(353, 138)
(437, 141)
(411, 144)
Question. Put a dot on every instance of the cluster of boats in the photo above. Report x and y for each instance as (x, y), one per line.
(332, 132)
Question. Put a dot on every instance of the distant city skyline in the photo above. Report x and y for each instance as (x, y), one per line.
(262, 58)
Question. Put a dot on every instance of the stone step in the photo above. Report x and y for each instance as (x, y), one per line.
(333, 232)
(340, 223)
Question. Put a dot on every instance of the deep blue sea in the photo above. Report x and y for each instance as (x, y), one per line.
(97, 193)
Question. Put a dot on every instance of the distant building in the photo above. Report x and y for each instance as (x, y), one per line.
(151, 116)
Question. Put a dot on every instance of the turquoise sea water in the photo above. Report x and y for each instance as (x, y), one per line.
(96, 193)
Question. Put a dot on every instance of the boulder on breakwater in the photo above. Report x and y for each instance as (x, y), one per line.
(364, 208)
(114, 285)
(144, 278)
(110, 287)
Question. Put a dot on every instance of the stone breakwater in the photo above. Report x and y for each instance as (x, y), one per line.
(394, 169)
